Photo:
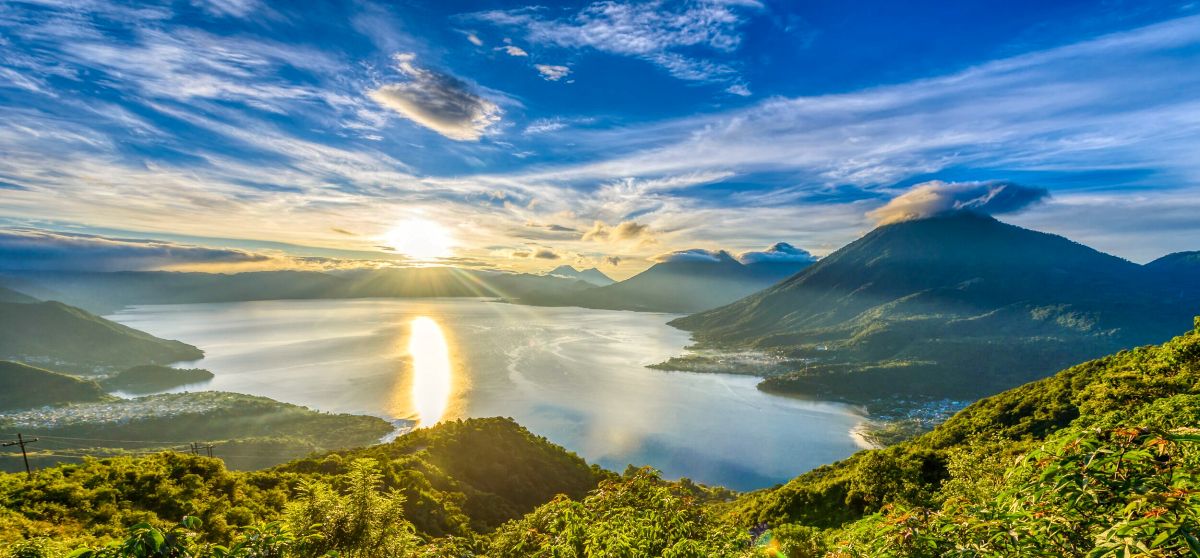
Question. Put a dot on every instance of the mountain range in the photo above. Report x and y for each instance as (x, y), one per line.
(106, 292)
(591, 275)
(684, 281)
(960, 305)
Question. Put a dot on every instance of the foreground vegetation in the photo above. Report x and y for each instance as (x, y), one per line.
(1102, 459)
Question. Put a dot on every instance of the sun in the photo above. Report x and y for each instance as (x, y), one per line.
(420, 239)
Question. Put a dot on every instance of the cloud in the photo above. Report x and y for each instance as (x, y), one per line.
(474, 39)
(739, 89)
(539, 253)
(41, 250)
(513, 50)
(692, 255)
(612, 260)
(934, 198)
(440, 102)
(552, 73)
(780, 252)
(237, 8)
(657, 31)
(623, 231)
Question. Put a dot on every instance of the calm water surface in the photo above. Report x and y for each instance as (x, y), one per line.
(574, 375)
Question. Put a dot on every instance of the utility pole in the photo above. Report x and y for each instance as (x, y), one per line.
(197, 446)
(21, 441)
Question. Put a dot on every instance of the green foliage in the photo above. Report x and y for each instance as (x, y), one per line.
(634, 516)
(1094, 493)
(1135, 387)
(361, 523)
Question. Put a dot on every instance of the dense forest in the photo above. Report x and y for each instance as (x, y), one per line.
(1101, 459)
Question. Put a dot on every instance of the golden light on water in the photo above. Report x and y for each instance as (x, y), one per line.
(432, 375)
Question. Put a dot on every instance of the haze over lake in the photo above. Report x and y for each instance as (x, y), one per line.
(576, 376)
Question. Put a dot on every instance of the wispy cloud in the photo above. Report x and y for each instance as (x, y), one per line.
(662, 33)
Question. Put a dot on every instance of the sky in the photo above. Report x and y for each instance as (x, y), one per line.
(244, 134)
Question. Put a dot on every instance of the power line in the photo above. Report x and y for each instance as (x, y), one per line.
(21, 441)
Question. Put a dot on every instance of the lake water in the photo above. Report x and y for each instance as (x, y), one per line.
(576, 376)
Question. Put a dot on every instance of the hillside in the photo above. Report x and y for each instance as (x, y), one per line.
(149, 378)
(1179, 273)
(9, 295)
(509, 472)
(70, 339)
(957, 306)
(27, 387)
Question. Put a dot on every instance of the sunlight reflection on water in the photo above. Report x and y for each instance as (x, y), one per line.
(432, 379)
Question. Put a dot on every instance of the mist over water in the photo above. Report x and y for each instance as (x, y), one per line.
(576, 376)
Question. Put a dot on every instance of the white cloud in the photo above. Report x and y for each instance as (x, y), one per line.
(665, 34)
(692, 255)
(739, 89)
(623, 231)
(513, 50)
(552, 73)
(474, 39)
(440, 102)
(934, 198)
(778, 252)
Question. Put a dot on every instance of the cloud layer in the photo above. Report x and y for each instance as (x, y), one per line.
(39, 250)
(440, 102)
(779, 252)
(935, 198)
(692, 255)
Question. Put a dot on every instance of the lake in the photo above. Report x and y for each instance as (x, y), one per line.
(576, 376)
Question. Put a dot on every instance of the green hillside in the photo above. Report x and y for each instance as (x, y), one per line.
(961, 306)
(153, 377)
(70, 339)
(27, 387)
(9, 295)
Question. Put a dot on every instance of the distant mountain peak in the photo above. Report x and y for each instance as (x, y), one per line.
(589, 275)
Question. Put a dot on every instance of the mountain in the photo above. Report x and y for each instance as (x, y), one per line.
(9, 295)
(591, 275)
(954, 306)
(28, 387)
(71, 339)
(1179, 273)
(685, 281)
(106, 292)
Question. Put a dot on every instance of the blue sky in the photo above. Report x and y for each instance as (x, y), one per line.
(591, 133)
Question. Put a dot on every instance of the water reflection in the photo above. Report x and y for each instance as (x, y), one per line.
(431, 371)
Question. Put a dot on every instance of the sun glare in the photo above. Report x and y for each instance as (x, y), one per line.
(420, 239)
